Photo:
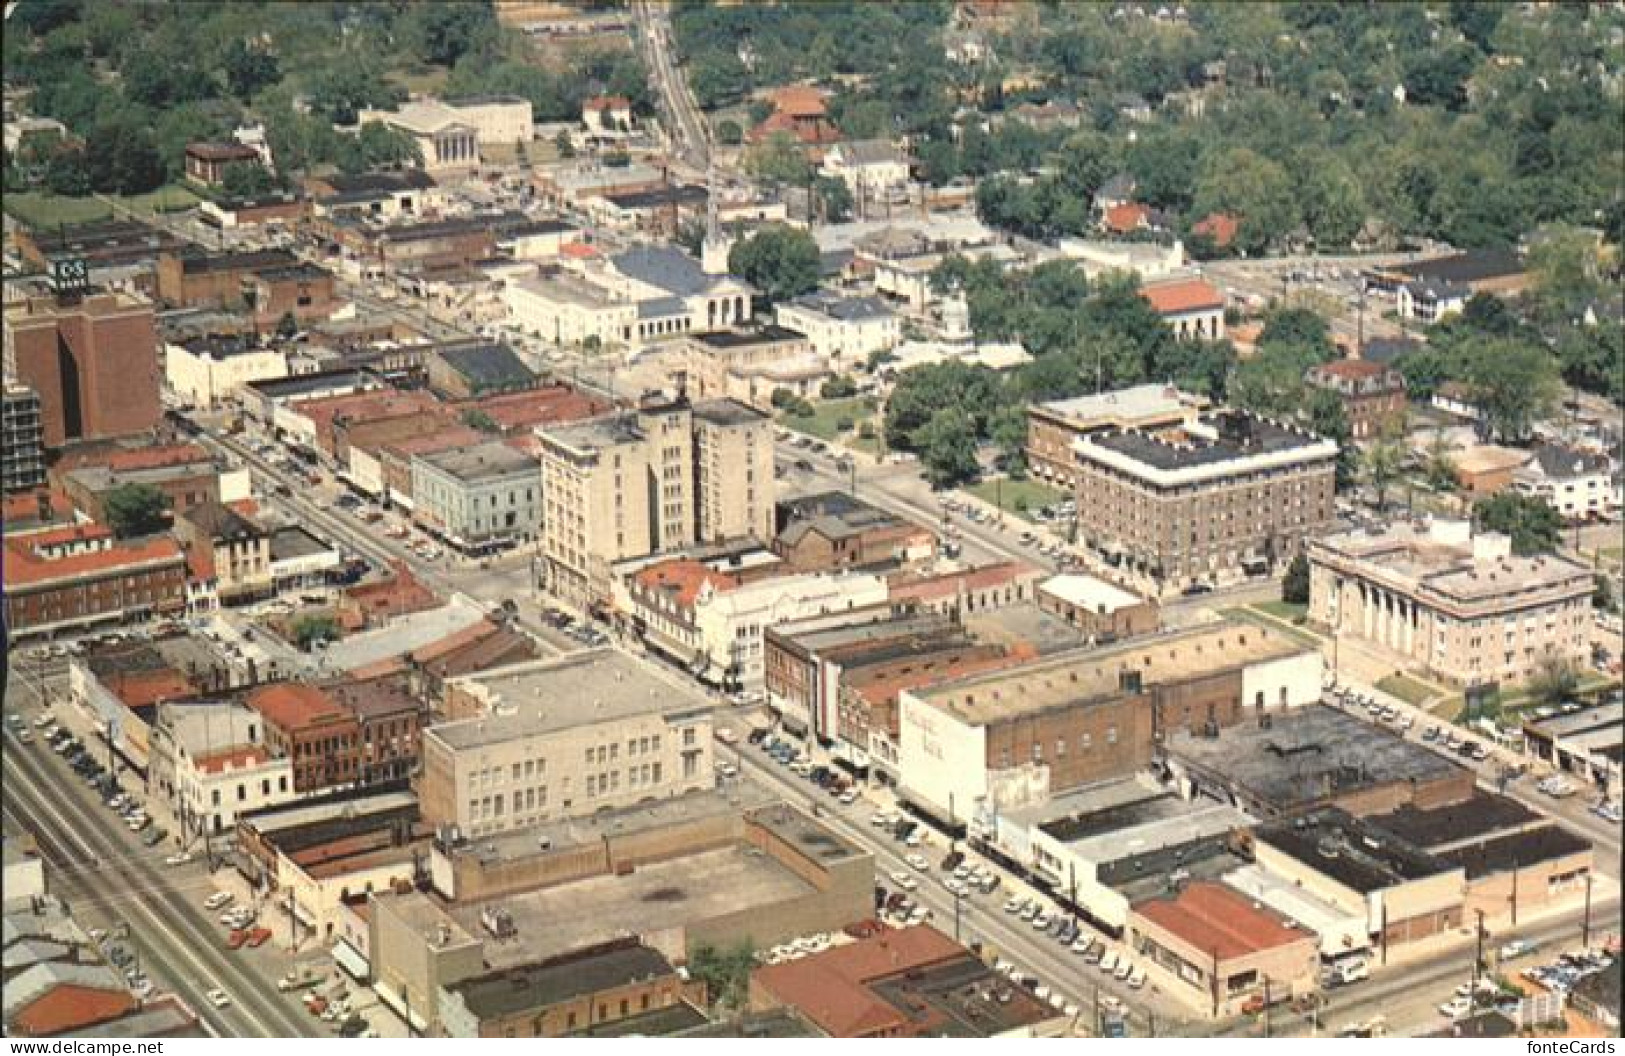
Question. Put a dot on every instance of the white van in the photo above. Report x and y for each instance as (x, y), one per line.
(1347, 970)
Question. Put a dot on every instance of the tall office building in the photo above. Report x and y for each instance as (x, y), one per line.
(22, 459)
(92, 360)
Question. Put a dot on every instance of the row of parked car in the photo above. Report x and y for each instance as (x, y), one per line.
(124, 961)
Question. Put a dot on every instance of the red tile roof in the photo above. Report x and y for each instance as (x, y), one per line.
(200, 563)
(71, 1006)
(1128, 217)
(557, 403)
(292, 705)
(1220, 921)
(1188, 295)
(607, 102)
(578, 250)
(682, 579)
(949, 584)
(799, 100)
(1352, 369)
(25, 506)
(137, 689)
(1220, 228)
(25, 568)
(830, 988)
(232, 758)
(75, 533)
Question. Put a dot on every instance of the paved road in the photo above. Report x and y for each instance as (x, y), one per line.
(101, 870)
(686, 127)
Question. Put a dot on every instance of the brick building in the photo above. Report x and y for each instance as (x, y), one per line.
(185, 474)
(194, 278)
(1097, 609)
(1053, 427)
(1228, 494)
(207, 162)
(74, 577)
(389, 723)
(834, 531)
(302, 290)
(1373, 395)
(92, 361)
(303, 723)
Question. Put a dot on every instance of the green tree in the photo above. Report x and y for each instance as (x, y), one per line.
(246, 179)
(125, 160)
(1439, 463)
(287, 326)
(385, 146)
(920, 392)
(839, 387)
(1242, 182)
(1514, 384)
(1380, 466)
(725, 973)
(308, 630)
(66, 171)
(729, 134)
(475, 418)
(780, 260)
(1602, 595)
(947, 448)
(1533, 526)
(564, 144)
(1295, 584)
(1554, 684)
(834, 199)
(248, 69)
(779, 159)
(136, 509)
(442, 33)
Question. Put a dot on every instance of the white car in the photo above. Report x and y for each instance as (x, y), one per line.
(218, 997)
(218, 899)
(904, 881)
(1456, 1007)
(1012, 905)
(1081, 946)
(178, 859)
(849, 797)
(918, 862)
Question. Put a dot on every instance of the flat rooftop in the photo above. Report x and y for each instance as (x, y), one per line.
(403, 634)
(292, 541)
(1147, 826)
(1358, 856)
(1024, 624)
(492, 460)
(1086, 675)
(499, 994)
(727, 412)
(1483, 815)
(582, 689)
(655, 897)
(1137, 403)
(1517, 850)
(1087, 592)
(1306, 756)
(1158, 873)
(595, 434)
(1562, 727)
(764, 335)
(1221, 437)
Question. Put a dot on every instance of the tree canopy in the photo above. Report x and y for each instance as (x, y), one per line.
(1533, 525)
(780, 260)
(136, 509)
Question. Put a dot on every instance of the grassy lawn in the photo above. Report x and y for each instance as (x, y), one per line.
(42, 210)
(1410, 690)
(827, 415)
(1289, 611)
(1256, 617)
(1018, 496)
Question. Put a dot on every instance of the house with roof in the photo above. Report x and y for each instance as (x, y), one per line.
(1192, 308)
(206, 163)
(1429, 300)
(870, 168)
(230, 549)
(1580, 485)
(606, 116)
(1218, 228)
(844, 331)
(1373, 395)
(467, 370)
(54, 997)
(799, 110)
(835, 530)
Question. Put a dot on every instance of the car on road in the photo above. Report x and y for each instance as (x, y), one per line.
(1457, 1007)
(918, 862)
(217, 900)
(218, 997)
(1516, 948)
(905, 881)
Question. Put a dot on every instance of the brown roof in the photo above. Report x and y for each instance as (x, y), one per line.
(682, 579)
(1221, 921)
(1188, 295)
(137, 689)
(221, 152)
(292, 705)
(799, 100)
(949, 584)
(70, 1006)
(830, 988)
(1220, 227)
(1130, 216)
(246, 755)
(1352, 369)
(25, 567)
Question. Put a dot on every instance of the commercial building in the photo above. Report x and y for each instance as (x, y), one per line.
(1018, 736)
(1192, 308)
(185, 474)
(22, 460)
(1053, 427)
(92, 361)
(230, 549)
(1100, 611)
(1373, 395)
(1460, 606)
(206, 372)
(71, 578)
(477, 497)
(870, 168)
(843, 331)
(304, 724)
(651, 480)
(194, 278)
(719, 875)
(1312, 757)
(566, 309)
(388, 720)
(835, 530)
(1406, 893)
(912, 983)
(751, 365)
(556, 738)
(1585, 744)
(567, 994)
(466, 371)
(1215, 950)
(1210, 500)
(206, 163)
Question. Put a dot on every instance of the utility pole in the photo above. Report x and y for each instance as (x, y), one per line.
(1478, 952)
(1267, 995)
(1585, 919)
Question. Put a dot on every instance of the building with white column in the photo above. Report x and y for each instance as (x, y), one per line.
(1461, 607)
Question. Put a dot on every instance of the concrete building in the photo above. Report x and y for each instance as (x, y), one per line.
(1053, 427)
(720, 873)
(1583, 744)
(1227, 495)
(1373, 395)
(1580, 485)
(447, 141)
(1216, 951)
(1309, 758)
(871, 168)
(207, 372)
(1462, 607)
(231, 549)
(215, 787)
(1192, 308)
(566, 309)
(93, 363)
(912, 983)
(1406, 893)
(487, 495)
(22, 460)
(844, 331)
(562, 737)
(751, 365)
(1151, 261)
(651, 480)
(1100, 611)
(388, 720)
(1019, 736)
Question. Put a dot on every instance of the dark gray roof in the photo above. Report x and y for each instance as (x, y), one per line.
(1517, 850)
(258, 260)
(1241, 435)
(1600, 988)
(1483, 815)
(488, 367)
(687, 195)
(835, 514)
(660, 307)
(727, 412)
(762, 335)
(669, 269)
(1561, 462)
(372, 184)
(535, 986)
(1474, 265)
(222, 522)
(1351, 852)
(1385, 350)
(221, 346)
(844, 308)
(1433, 289)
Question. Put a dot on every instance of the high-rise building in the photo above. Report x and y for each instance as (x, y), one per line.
(650, 480)
(22, 456)
(93, 361)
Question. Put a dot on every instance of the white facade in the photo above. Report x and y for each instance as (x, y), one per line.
(868, 168)
(844, 333)
(567, 311)
(496, 118)
(207, 381)
(731, 623)
(213, 790)
(1291, 682)
(943, 761)
(1586, 490)
(1147, 259)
